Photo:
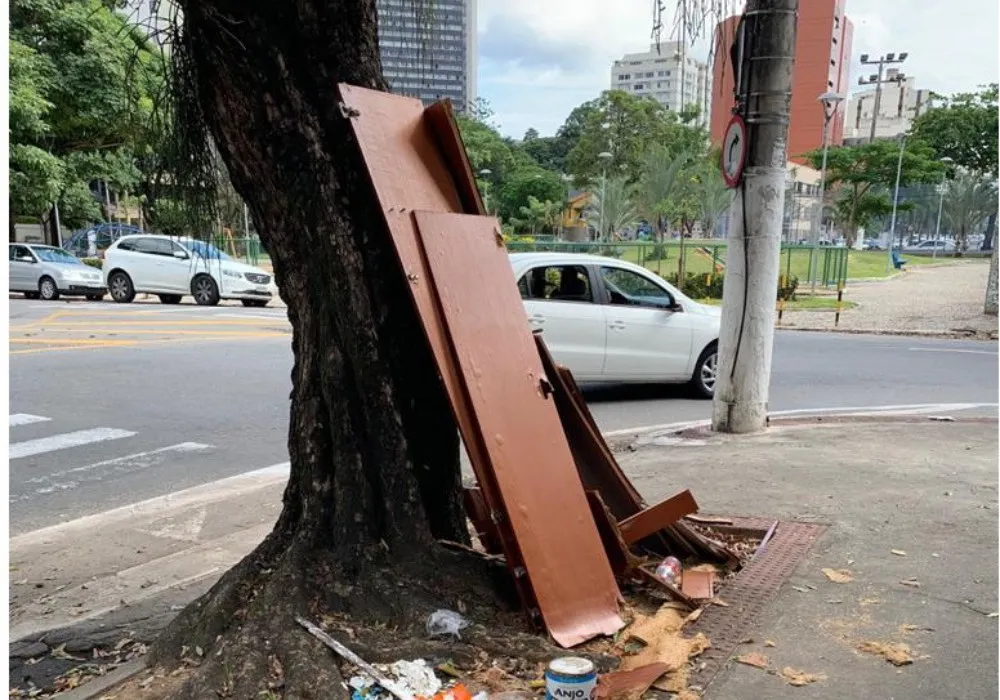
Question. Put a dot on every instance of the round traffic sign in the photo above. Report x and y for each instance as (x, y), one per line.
(734, 151)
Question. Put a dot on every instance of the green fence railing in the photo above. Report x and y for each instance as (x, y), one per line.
(249, 250)
(827, 265)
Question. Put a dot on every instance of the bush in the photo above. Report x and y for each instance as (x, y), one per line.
(710, 287)
(94, 262)
(659, 252)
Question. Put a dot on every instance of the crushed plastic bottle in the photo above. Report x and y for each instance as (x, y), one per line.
(669, 571)
(446, 622)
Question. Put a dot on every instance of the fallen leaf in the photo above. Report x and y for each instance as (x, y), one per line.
(897, 654)
(898, 552)
(694, 616)
(769, 643)
(60, 653)
(839, 575)
(720, 602)
(199, 651)
(811, 587)
(755, 659)
(799, 678)
(912, 583)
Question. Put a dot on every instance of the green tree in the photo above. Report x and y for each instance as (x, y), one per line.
(659, 181)
(81, 93)
(964, 129)
(538, 216)
(626, 126)
(525, 182)
(610, 209)
(861, 178)
(969, 200)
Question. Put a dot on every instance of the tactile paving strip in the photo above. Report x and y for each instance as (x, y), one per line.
(753, 588)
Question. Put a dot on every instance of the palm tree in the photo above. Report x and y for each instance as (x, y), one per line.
(970, 199)
(714, 198)
(611, 206)
(658, 181)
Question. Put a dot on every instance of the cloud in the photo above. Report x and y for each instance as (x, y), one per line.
(541, 58)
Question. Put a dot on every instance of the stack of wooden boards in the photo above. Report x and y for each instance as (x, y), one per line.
(551, 498)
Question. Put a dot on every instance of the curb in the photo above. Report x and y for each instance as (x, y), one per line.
(957, 334)
(101, 684)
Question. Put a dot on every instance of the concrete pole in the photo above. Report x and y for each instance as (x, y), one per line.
(754, 252)
(878, 100)
(895, 205)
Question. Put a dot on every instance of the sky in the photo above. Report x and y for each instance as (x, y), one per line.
(538, 59)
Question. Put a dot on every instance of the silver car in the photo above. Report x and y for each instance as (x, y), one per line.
(41, 271)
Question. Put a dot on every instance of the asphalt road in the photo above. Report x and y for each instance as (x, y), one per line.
(111, 405)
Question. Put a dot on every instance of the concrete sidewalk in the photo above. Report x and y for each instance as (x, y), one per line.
(919, 486)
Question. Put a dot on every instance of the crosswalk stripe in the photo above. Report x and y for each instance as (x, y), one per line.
(17, 419)
(72, 478)
(65, 440)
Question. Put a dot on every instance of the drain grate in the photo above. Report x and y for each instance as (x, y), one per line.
(753, 588)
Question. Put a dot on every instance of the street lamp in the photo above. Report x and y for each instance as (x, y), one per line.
(895, 200)
(568, 181)
(937, 229)
(877, 81)
(830, 102)
(485, 173)
(605, 156)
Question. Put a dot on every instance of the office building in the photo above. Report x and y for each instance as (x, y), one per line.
(429, 51)
(901, 102)
(669, 75)
(822, 64)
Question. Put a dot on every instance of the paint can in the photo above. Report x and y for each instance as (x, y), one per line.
(570, 678)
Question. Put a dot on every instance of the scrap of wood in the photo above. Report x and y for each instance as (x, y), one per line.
(629, 685)
(479, 513)
(655, 518)
(354, 659)
(648, 576)
(699, 585)
(708, 519)
(621, 558)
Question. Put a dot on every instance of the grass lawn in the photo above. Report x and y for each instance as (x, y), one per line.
(803, 303)
(861, 264)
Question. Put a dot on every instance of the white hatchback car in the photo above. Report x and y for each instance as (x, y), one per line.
(174, 267)
(611, 321)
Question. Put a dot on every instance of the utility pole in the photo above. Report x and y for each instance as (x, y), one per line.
(877, 80)
(766, 55)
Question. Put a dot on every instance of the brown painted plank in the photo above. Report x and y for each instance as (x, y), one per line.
(619, 556)
(655, 518)
(699, 585)
(562, 550)
(479, 515)
(441, 119)
(407, 172)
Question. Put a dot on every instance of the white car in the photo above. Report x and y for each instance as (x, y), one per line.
(611, 321)
(44, 272)
(174, 267)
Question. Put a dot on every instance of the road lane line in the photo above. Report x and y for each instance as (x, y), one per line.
(17, 419)
(959, 350)
(72, 478)
(64, 441)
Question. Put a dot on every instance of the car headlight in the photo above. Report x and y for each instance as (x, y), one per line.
(231, 273)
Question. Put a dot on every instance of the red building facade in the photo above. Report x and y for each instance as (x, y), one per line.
(822, 64)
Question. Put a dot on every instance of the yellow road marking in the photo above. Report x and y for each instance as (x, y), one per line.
(121, 344)
(171, 331)
(247, 322)
(70, 341)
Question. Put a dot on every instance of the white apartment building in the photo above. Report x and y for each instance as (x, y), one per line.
(670, 76)
(900, 104)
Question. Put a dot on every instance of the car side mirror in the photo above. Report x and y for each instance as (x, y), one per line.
(180, 255)
(674, 306)
(26, 258)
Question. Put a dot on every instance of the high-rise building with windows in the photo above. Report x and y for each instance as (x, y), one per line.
(823, 39)
(669, 75)
(429, 49)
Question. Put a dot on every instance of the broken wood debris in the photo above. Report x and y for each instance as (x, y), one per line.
(526, 411)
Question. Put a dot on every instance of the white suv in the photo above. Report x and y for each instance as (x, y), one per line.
(174, 267)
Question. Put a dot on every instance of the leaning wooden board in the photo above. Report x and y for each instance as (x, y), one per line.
(409, 171)
(517, 423)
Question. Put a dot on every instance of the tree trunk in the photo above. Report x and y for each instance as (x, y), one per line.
(991, 228)
(373, 447)
(12, 219)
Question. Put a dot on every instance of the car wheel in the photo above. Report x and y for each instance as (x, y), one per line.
(170, 298)
(120, 286)
(95, 297)
(205, 291)
(703, 381)
(256, 303)
(47, 289)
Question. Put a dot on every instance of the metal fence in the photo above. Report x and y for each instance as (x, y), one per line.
(826, 265)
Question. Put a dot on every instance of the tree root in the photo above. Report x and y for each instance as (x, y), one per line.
(243, 639)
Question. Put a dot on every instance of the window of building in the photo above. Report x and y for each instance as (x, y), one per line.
(649, 74)
(624, 76)
(638, 86)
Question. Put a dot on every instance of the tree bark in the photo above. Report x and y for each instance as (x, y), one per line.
(373, 447)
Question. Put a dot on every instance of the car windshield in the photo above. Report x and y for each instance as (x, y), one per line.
(56, 255)
(204, 250)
